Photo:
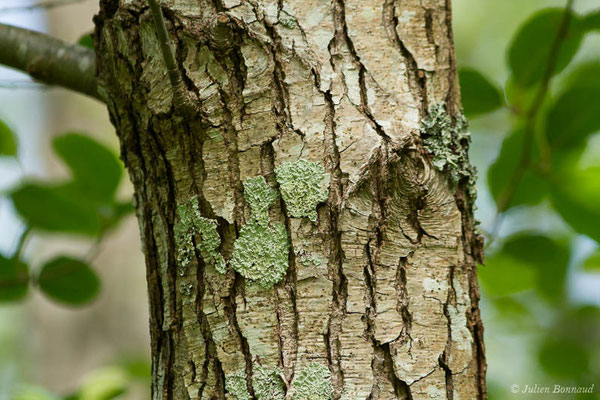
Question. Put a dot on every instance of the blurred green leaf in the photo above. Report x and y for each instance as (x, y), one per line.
(479, 95)
(514, 312)
(122, 209)
(519, 98)
(57, 208)
(531, 188)
(8, 143)
(564, 358)
(530, 48)
(573, 117)
(549, 257)
(69, 281)
(30, 392)
(592, 263)
(104, 384)
(87, 40)
(575, 195)
(137, 368)
(527, 261)
(584, 75)
(503, 275)
(14, 279)
(583, 323)
(591, 21)
(95, 168)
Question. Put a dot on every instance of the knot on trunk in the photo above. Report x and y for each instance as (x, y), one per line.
(222, 34)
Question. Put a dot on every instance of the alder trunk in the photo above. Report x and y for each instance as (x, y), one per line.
(307, 221)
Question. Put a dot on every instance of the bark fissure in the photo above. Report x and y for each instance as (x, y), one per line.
(417, 77)
(335, 263)
(342, 37)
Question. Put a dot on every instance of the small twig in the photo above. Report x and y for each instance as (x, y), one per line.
(531, 115)
(180, 97)
(43, 5)
(21, 243)
(95, 248)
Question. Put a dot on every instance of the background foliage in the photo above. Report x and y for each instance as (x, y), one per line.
(536, 115)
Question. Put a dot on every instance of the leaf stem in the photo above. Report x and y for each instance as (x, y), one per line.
(531, 117)
(21, 243)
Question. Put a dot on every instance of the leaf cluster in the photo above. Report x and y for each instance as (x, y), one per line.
(84, 205)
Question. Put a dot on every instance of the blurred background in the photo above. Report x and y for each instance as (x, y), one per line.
(541, 283)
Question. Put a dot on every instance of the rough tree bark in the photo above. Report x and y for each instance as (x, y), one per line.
(353, 261)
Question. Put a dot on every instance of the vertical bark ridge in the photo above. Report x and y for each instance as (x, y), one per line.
(343, 40)
(417, 77)
(287, 330)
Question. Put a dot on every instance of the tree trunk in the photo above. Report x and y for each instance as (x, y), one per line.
(349, 270)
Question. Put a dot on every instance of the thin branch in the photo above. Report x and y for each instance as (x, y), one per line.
(525, 159)
(49, 60)
(180, 98)
(42, 5)
(21, 243)
(22, 84)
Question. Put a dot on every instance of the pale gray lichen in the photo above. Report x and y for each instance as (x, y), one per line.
(287, 20)
(191, 223)
(186, 289)
(446, 140)
(236, 386)
(301, 188)
(267, 383)
(260, 254)
(307, 259)
(260, 197)
(313, 383)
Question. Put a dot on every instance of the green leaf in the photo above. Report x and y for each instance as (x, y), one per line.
(530, 189)
(592, 263)
(56, 208)
(573, 117)
(69, 281)
(530, 49)
(575, 195)
(104, 384)
(562, 358)
(527, 261)
(548, 257)
(584, 75)
(96, 170)
(519, 98)
(479, 95)
(87, 40)
(30, 392)
(14, 279)
(138, 368)
(591, 21)
(8, 144)
(503, 275)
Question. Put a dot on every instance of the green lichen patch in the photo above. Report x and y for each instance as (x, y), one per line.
(287, 20)
(446, 140)
(191, 223)
(267, 383)
(260, 197)
(260, 253)
(313, 383)
(235, 385)
(301, 184)
(307, 259)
